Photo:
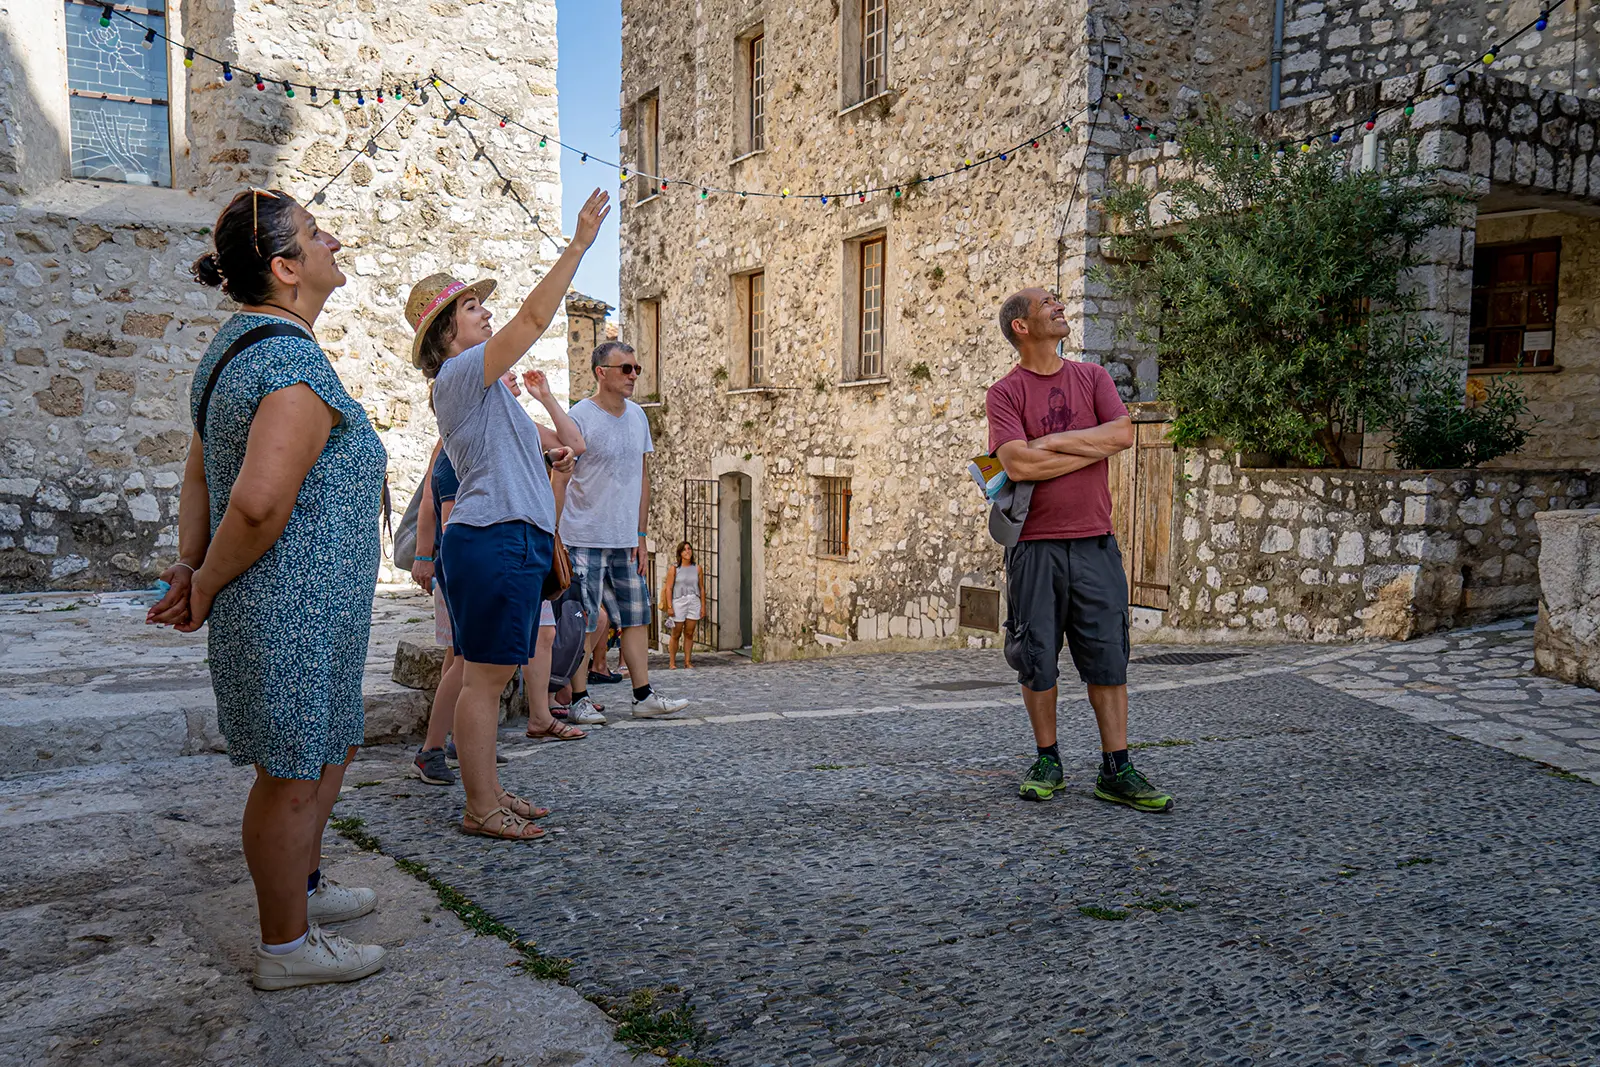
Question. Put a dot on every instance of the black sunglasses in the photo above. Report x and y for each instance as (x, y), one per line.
(625, 368)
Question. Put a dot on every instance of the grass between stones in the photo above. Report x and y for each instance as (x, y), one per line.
(645, 1024)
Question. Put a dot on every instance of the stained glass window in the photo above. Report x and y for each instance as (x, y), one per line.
(118, 96)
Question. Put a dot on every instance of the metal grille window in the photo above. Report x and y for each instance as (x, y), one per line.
(1514, 304)
(835, 531)
(874, 34)
(758, 328)
(702, 499)
(758, 93)
(118, 96)
(649, 123)
(871, 336)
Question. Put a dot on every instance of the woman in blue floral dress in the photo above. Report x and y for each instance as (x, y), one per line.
(278, 551)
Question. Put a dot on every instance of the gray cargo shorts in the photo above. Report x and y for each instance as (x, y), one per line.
(1074, 589)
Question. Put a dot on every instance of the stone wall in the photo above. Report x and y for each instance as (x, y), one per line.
(961, 80)
(1567, 637)
(102, 323)
(1329, 555)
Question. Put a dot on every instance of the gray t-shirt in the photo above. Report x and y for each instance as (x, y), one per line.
(494, 446)
(602, 509)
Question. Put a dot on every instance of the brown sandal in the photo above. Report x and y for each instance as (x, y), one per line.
(513, 827)
(556, 731)
(522, 809)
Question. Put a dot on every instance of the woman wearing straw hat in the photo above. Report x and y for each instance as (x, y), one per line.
(500, 538)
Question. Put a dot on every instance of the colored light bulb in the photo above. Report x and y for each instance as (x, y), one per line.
(149, 38)
(1542, 21)
(704, 194)
(1372, 122)
(542, 141)
(1488, 57)
(361, 99)
(663, 185)
(1334, 137)
(227, 73)
(188, 57)
(288, 90)
(105, 15)
(824, 201)
(261, 86)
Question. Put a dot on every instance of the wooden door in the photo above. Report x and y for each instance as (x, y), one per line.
(1141, 513)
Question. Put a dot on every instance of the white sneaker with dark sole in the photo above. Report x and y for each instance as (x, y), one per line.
(335, 903)
(324, 957)
(656, 706)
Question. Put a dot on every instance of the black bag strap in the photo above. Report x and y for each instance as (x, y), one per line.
(245, 340)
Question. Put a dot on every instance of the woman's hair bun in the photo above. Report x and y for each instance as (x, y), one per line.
(207, 271)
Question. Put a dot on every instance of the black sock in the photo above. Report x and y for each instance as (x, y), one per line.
(1052, 751)
(1113, 762)
(313, 880)
(578, 694)
(640, 692)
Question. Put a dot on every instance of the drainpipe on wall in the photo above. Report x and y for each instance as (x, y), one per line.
(1276, 76)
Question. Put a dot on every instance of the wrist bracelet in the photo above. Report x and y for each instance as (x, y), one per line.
(181, 563)
(422, 559)
(643, 534)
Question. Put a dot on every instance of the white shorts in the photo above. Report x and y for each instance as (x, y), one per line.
(686, 608)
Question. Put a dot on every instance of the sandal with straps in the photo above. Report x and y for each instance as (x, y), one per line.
(522, 809)
(556, 731)
(513, 827)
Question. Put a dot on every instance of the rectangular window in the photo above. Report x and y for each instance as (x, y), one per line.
(647, 350)
(874, 51)
(758, 93)
(118, 95)
(1514, 304)
(870, 338)
(649, 157)
(835, 529)
(757, 328)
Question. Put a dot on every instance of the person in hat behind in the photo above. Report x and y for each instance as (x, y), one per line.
(500, 539)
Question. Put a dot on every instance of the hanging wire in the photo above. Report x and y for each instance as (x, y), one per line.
(358, 153)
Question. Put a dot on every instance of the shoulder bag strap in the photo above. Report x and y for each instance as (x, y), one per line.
(245, 340)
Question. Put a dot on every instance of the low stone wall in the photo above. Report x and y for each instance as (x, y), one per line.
(1567, 638)
(1329, 555)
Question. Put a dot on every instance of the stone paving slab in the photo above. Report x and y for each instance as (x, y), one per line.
(1338, 884)
(127, 920)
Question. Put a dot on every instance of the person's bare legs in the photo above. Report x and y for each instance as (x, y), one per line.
(1110, 703)
(636, 654)
(1041, 705)
(441, 720)
(281, 829)
(672, 647)
(477, 724)
(537, 677)
(327, 796)
(688, 642)
(580, 677)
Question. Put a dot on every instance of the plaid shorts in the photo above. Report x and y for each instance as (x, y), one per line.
(609, 575)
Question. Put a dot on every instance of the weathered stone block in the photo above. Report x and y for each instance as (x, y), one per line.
(143, 325)
(1567, 636)
(64, 398)
(417, 665)
(89, 237)
(30, 357)
(99, 344)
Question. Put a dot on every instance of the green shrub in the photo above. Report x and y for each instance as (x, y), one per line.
(1434, 431)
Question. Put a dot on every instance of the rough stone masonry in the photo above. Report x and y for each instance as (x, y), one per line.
(100, 322)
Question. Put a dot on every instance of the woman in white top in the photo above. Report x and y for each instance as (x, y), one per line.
(683, 595)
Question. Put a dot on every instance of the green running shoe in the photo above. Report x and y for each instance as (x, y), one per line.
(1130, 787)
(1043, 779)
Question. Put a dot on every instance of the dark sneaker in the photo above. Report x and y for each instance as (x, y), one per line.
(1130, 787)
(609, 678)
(1043, 779)
(431, 767)
(450, 755)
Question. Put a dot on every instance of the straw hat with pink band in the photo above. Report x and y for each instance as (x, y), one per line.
(431, 296)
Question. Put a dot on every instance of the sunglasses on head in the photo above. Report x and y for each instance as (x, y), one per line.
(255, 218)
(625, 368)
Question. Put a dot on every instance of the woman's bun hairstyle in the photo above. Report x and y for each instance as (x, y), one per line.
(207, 272)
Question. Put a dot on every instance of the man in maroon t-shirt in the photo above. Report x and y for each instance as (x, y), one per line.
(1053, 422)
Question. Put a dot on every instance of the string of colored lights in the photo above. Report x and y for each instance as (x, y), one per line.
(707, 190)
(1335, 135)
(371, 143)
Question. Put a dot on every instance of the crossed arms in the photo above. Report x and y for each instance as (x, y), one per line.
(1056, 454)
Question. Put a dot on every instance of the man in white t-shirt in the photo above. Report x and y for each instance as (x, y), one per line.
(603, 526)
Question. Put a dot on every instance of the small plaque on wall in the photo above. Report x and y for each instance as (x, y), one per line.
(1475, 356)
(979, 608)
(1538, 340)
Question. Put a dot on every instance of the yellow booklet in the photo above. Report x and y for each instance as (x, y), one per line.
(989, 474)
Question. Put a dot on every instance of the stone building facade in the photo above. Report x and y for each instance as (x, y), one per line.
(100, 321)
(783, 424)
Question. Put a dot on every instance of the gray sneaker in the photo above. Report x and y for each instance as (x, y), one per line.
(431, 767)
(584, 713)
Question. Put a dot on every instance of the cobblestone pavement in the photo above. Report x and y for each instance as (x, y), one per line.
(830, 862)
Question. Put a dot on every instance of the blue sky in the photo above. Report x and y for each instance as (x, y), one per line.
(589, 80)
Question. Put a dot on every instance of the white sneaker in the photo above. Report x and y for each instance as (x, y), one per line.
(584, 713)
(324, 957)
(335, 903)
(655, 706)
